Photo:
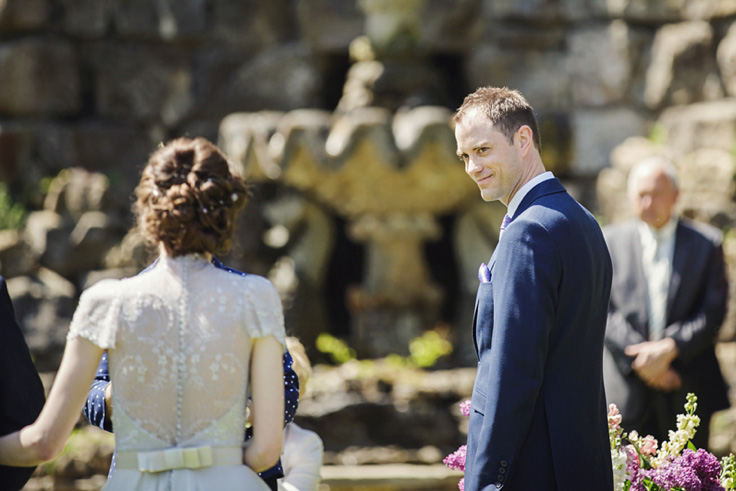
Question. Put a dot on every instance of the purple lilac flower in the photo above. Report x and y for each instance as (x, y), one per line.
(632, 461)
(456, 460)
(671, 475)
(461, 484)
(706, 466)
(691, 471)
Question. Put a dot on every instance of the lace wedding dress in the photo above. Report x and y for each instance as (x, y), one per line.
(179, 341)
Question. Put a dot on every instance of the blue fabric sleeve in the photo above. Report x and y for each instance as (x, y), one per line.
(94, 408)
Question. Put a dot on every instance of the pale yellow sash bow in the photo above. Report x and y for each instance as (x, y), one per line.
(179, 458)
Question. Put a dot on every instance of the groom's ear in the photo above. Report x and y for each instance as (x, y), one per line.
(524, 139)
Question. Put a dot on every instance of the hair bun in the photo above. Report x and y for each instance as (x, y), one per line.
(185, 197)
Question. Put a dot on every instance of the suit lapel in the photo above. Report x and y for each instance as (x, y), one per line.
(475, 325)
(491, 263)
(640, 283)
(679, 263)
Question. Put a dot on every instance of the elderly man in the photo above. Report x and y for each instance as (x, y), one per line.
(668, 301)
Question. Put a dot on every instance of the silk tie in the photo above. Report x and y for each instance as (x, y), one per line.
(658, 286)
(504, 224)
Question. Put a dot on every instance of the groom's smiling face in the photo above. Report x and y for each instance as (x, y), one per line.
(490, 159)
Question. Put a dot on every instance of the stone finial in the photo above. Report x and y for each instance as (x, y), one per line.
(393, 26)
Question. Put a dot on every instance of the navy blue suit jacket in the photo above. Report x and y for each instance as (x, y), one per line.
(94, 408)
(538, 418)
(21, 390)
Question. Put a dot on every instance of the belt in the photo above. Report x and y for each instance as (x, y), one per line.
(179, 458)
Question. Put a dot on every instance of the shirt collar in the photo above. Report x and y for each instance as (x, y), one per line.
(665, 233)
(516, 200)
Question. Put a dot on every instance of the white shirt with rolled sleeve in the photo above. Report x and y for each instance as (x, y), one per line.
(301, 458)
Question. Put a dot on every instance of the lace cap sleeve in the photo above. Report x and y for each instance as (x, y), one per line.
(264, 315)
(96, 317)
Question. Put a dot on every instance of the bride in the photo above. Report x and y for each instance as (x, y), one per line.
(187, 343)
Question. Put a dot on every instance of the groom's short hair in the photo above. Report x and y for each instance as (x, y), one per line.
(507, 109)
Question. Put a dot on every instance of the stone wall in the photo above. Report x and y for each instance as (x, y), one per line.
(97, 84)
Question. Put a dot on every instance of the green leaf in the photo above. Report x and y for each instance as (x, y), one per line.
(691, 446)
(645, 463)
(649, 485)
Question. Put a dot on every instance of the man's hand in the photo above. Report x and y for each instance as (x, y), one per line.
(668, 381)
(652, 362)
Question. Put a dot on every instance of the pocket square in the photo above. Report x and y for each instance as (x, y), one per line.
(484, 274)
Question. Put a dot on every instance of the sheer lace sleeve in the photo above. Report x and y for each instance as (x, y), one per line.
(96, 317)
(263, 312)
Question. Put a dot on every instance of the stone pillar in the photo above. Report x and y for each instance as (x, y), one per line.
(397, 299)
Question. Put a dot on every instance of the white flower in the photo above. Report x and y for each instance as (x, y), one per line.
(618, 458)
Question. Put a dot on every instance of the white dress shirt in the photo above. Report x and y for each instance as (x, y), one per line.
(658, 248)
(524, 190)
(516, 200)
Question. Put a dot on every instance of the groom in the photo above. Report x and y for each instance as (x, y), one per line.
(538, 418)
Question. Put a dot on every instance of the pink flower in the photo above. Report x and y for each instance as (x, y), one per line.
(648, 445)
(465, 408)
(614, 417)
(456, 460)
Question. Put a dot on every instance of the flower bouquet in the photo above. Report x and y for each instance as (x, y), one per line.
(456, 460)
(638, 465)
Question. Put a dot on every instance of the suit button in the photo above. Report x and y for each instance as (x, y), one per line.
(504, 463)
(502, 470)
(499, 477)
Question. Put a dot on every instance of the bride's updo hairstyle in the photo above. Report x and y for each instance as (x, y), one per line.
(188, 198)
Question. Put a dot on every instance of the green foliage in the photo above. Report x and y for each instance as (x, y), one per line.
(658, 134)
(336, 348)
(12, 214)
(45, 185)
(424, 351)
(428, 348)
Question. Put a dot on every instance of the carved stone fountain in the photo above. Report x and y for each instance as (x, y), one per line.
(384, 161)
